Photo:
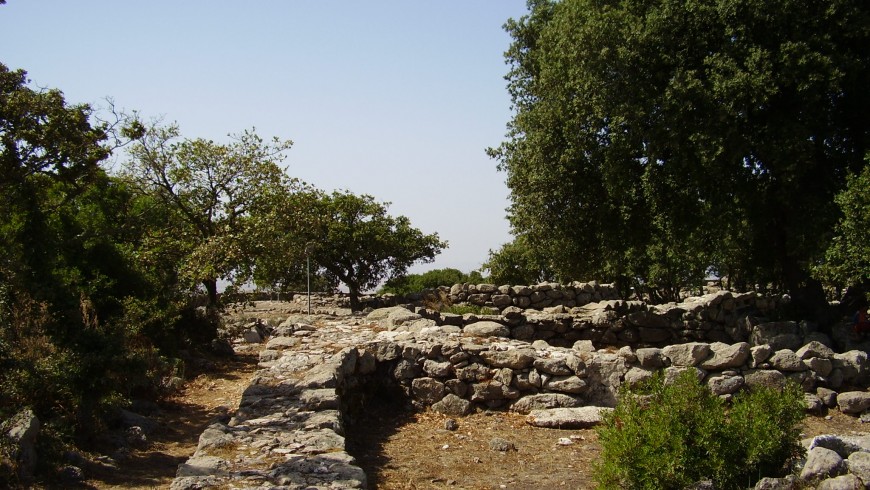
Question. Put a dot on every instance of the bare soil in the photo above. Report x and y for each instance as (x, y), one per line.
(208, 395)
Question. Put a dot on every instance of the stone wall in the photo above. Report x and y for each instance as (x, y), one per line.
(288, 431)
(717, 317)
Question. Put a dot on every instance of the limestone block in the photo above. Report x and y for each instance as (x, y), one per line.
(567, 384)
(513, 358)
(567, 418)
(815, 349)
(487, 329)
(853, 401)
(428, 390)
(689, 354)
(543, 401)
(786, 360)
(726, 356)
(822, 463)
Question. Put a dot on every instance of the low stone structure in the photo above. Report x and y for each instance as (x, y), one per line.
(288, 430)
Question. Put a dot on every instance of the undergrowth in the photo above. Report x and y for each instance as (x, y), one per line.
(672, 435)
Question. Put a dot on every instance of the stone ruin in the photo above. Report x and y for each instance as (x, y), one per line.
(562, 366)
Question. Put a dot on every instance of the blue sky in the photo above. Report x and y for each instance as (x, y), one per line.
(397, 99)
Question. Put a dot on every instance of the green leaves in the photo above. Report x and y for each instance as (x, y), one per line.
(654, 140)
(674, 434)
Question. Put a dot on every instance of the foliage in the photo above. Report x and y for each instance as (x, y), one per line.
(351, 238)
(671, 435)
(653, 140)
(847, 261)
(414, 283)
(210, 190)
(518, 263)
(74, 299)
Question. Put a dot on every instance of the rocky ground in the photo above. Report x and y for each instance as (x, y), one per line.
(397, 447)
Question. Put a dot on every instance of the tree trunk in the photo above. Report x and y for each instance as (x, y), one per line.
(353, 292)
(211, 291)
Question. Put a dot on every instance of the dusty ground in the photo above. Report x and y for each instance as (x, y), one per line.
(181, 419)
(398, 449)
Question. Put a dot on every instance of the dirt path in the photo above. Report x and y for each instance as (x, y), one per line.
(181, 420)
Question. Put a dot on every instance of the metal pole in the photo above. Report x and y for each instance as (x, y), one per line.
(308, 277)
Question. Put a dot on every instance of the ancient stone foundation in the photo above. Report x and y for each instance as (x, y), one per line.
(559, 367)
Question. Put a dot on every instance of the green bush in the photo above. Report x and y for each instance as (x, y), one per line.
(671, 435)
(414, 283)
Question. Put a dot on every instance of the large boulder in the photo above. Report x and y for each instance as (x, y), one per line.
(689, 354)
(726, 356)
(543, 401)
(22, 430)
(487, 328)
(854, 402)
(822, 463)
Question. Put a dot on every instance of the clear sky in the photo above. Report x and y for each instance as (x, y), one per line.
(397, 99)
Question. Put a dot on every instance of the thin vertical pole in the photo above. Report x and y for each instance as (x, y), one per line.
(308, 276)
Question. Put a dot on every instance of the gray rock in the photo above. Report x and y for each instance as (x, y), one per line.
(827, 396)
(813, 403)
(819, 365)
(502, 445)
(252, 336)
(725, 385)
(841, 444)
(566, 418)
(765, 377)
(543, 401)
(281, 343)
(779, 335)
(567, 384)
(487, 329)
(428, 390)
(853, 401)
(437, 369)
(513, 358)
(815, 349)
(23, 429)
(493, 390)
(637, 375)
(650, 357)
(787, 483)
(690, 354)
(453, 406)
(843, 482)
(556, 367)
(786, 360)
(759, 354)
(858, 464)
(822, 463)
(200, 465)
(726, 356)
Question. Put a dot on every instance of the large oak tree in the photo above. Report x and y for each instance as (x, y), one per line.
(653, 140)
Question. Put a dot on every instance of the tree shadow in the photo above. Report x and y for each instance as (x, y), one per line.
(380, 413)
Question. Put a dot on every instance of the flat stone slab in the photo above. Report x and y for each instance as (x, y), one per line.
(567, 418)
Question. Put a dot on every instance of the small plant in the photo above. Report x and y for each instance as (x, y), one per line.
(465, 308)
(671, 435)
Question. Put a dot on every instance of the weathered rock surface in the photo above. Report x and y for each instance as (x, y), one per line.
(566, 418)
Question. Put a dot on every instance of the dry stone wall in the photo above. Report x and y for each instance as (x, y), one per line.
(717, 317)
(288, 430)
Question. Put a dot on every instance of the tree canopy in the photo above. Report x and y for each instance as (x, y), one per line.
(655, 140)
(214, 194)
(351, 239)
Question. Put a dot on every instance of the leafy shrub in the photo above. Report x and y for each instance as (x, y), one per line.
(414, 283)
(671, 435)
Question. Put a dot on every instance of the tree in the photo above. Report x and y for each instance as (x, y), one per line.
(77, 307)
(414, 283)
(350, 238)
(653, 140)
(214, 192)
(847, 260)
(517, 263)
